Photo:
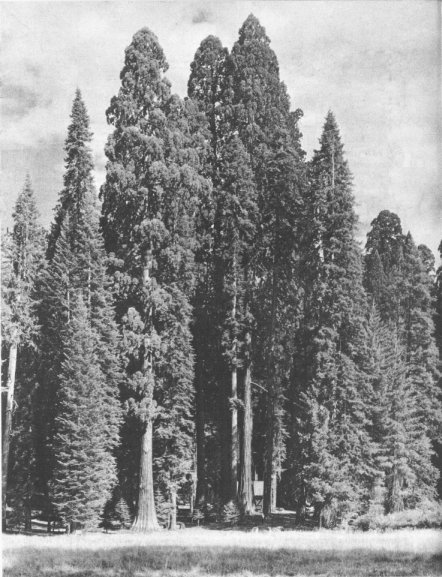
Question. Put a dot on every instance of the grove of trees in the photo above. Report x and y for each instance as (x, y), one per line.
(210, 314)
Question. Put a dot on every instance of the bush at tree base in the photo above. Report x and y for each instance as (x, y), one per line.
(231, 513)
(163, 509)
(198, 516)
(428, 516)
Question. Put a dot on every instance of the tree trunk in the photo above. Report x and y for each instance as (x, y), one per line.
(7, 428)
(28, 517)
(234, 398)
(246, 490)
(173, 525)
(272, 395)
(268, 458)
(146, 517)
(274, 491)
(201, 484)
(234, 436)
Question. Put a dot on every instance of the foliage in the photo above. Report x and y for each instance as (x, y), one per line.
(84, 470)
(116, 514)
(22, 265)
(80, 366)
(198, 516)
(329, 416)
(163, 508)
(399, 283)
(231, 513)
(228, 311)
(427, 516)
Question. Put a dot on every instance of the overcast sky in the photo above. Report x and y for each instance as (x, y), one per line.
(376, 64)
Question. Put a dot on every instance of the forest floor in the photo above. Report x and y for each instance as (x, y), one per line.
(199, 552)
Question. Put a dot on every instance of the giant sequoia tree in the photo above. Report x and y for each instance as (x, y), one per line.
(149, 202)
(21, 261)
(261, 112)
(230, 270)
(77, 305)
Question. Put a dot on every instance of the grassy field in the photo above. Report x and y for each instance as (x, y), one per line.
(202, 552)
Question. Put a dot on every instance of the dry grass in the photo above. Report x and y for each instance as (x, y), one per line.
(200, 552)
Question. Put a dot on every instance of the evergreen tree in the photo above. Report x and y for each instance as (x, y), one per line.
(329, 410)
(77, 269)
(149, 202)
(21, 263)
(206, 87)
(261, 114)
(84, 471)
(403, 292)
(77, 179)
(231, 268)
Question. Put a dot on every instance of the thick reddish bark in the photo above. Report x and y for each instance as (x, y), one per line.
(234, 445)
(146, 517)
(246, 490)
(234, 436)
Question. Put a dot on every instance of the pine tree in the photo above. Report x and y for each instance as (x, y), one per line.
(77, 269)
(21, 263)
(403, 292)
(78, 181)
(84, 470)
(149, 201)
(330, 411)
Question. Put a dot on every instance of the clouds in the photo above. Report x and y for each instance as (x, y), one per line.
(201, 15)
(374, 63)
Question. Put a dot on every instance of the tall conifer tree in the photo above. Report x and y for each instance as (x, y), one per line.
(261, 111)
(328, 386)
(77, 272)
(230, 262)
(149, 203)
(21, 263)
(403, 292)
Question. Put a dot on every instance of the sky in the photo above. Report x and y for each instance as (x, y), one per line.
(376, 64)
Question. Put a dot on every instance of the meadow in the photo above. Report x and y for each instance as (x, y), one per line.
(204, 552)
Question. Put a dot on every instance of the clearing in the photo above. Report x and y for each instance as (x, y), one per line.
(204, 552)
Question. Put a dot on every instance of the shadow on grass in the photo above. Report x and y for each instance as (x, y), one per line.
(168, 561)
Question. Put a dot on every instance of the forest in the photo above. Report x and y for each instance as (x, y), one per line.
(207, 322)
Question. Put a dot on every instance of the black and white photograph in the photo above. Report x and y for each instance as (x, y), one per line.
(221, 288)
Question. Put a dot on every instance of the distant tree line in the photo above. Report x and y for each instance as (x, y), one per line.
(214, 314)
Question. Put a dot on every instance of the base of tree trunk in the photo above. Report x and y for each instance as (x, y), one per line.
(145, 526)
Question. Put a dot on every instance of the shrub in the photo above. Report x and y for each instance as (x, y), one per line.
(427, 516)
(213, 511)
(231, 513)
(116, 515)
(198, 516)
(122, 513)
(163, 509)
